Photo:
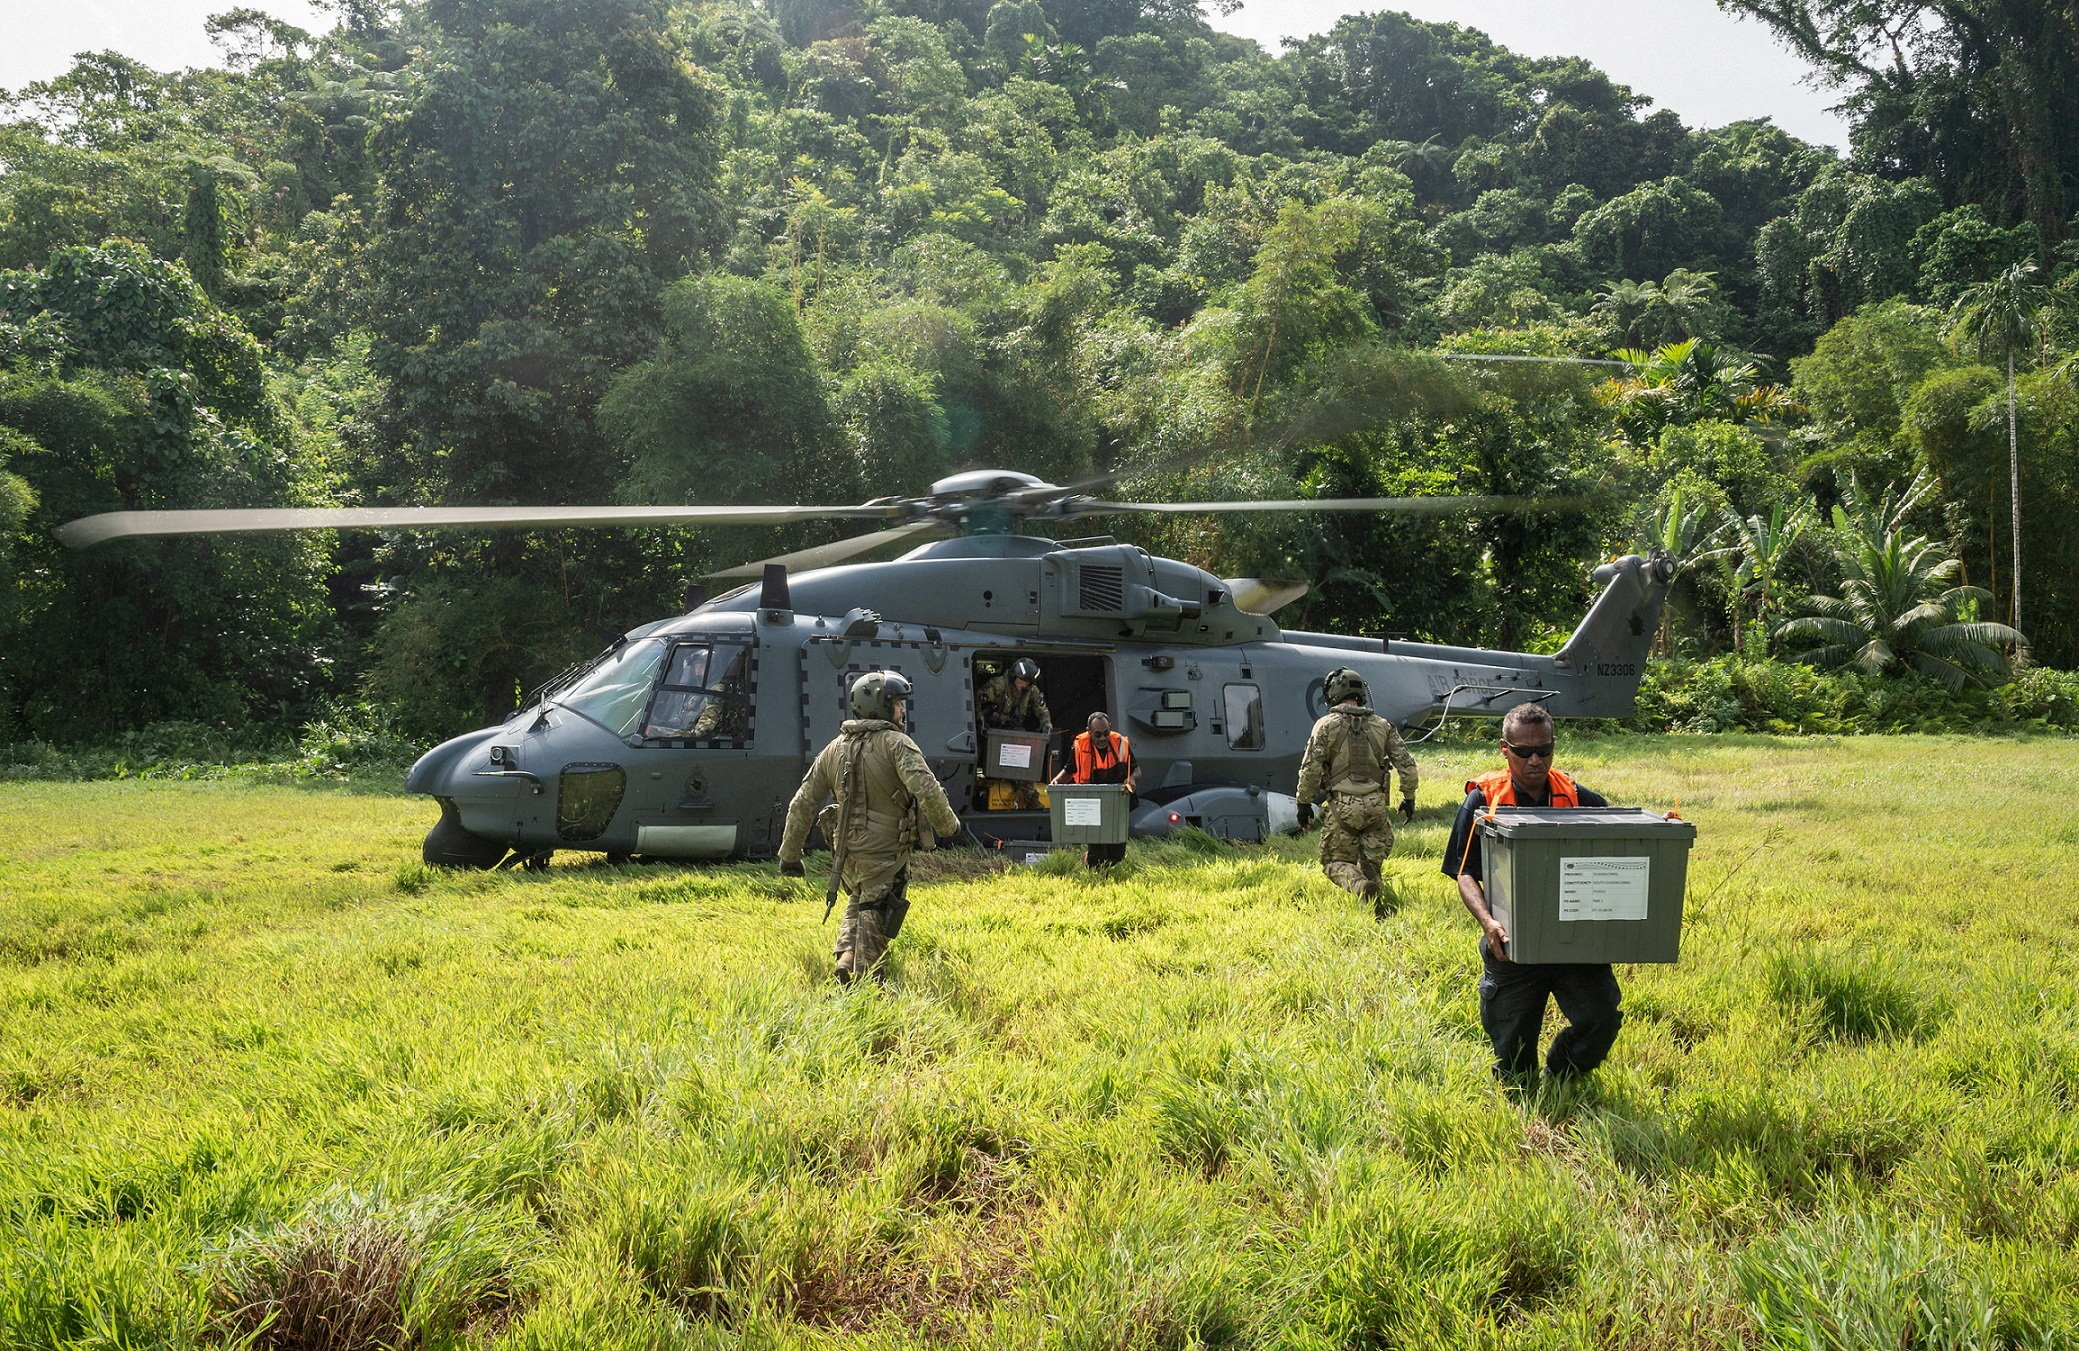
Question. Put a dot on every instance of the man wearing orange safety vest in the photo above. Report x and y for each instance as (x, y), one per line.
(1100, 755)
(1513, 995)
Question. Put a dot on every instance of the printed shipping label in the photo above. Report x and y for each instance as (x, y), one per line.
(1083, 811)
(1603, 888)
(1014, 755)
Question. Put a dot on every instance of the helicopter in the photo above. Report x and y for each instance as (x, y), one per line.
(686, 738)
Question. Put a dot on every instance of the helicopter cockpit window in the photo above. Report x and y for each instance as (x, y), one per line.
(1244, 708)
(612, 693)
(704, 696)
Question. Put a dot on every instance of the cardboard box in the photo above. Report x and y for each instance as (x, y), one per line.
(1016, 755)
(1090, 813)
(1592, 884)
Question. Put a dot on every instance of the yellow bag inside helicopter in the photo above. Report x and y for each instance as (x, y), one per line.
(1003, 795)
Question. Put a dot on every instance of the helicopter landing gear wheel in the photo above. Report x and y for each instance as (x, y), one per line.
(538, 862)
(448, 845)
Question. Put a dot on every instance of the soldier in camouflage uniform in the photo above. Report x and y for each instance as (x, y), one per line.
(1346, 770)
(1012, 702)
(881, 786)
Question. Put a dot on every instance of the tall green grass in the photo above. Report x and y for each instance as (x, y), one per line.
(266, 1081)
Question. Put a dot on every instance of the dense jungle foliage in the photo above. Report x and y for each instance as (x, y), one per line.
(560, 251)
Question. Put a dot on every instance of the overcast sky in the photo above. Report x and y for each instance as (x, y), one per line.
(1684, 54)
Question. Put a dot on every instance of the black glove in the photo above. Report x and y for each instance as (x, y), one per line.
(793, 869)
(1407, 810)
(1306, 816)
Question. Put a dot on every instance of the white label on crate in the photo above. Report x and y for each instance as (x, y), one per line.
(1082, 811)
(1014, 755)
(1603, 888)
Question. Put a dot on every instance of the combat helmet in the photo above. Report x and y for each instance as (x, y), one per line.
(875, 694)
(1025, 668)
(1344, 683)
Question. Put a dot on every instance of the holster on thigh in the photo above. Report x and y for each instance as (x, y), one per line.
(893, 905)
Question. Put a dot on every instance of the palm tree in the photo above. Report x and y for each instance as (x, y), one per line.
(2003, 315)
(1684, 533)
(1427, 163)
(1896, 610)
(1623, 307)
(1763, 547)
(1686, 382)
(1690, 301)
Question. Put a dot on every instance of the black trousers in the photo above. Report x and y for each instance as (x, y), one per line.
(1512, 1008)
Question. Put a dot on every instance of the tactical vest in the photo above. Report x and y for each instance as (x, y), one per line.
(1364, 765)
(852, 812)
(1501, 789)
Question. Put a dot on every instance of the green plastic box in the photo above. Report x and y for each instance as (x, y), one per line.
(1017, 755)
(1588, 884)
(1089, 813)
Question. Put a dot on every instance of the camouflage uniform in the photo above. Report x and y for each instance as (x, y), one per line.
(1346, 770)
(1005, 708)
(882, 785)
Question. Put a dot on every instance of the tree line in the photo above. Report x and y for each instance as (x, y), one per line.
(567, 251)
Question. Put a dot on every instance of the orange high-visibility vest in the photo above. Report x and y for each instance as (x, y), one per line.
(1501, 789)
(1112, 765)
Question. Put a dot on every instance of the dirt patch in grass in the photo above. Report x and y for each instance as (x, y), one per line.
(935, 1299)
(958, 865)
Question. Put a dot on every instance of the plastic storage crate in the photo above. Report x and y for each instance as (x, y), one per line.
(1089, 813)
(1587, 884)
(1016, 755)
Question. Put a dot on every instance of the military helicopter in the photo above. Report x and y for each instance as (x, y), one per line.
(686, 738)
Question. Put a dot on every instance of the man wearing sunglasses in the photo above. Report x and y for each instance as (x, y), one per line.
(1512, 994)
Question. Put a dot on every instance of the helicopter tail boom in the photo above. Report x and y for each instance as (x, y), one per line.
(1596, 675)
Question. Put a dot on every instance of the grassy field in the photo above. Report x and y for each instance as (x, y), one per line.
(263, 1076)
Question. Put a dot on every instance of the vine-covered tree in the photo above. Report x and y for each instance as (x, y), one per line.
(123, 388)
(549, 172)
(1975, 95)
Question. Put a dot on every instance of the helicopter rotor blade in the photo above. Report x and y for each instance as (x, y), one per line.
(825, 555)
(1408, 506)
(1264, 596)
(114, 525)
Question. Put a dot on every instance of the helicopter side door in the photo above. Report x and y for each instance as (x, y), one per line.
(941, 712)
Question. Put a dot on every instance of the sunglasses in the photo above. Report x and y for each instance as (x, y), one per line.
(1543, 752)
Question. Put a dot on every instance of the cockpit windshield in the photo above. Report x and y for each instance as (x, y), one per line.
(614, 692)
(705, 694)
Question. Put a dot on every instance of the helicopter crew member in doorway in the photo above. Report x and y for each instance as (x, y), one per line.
(1012, 701)
(1512, 994)
(1100, 755)
(882, 786)
(1349, 763)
